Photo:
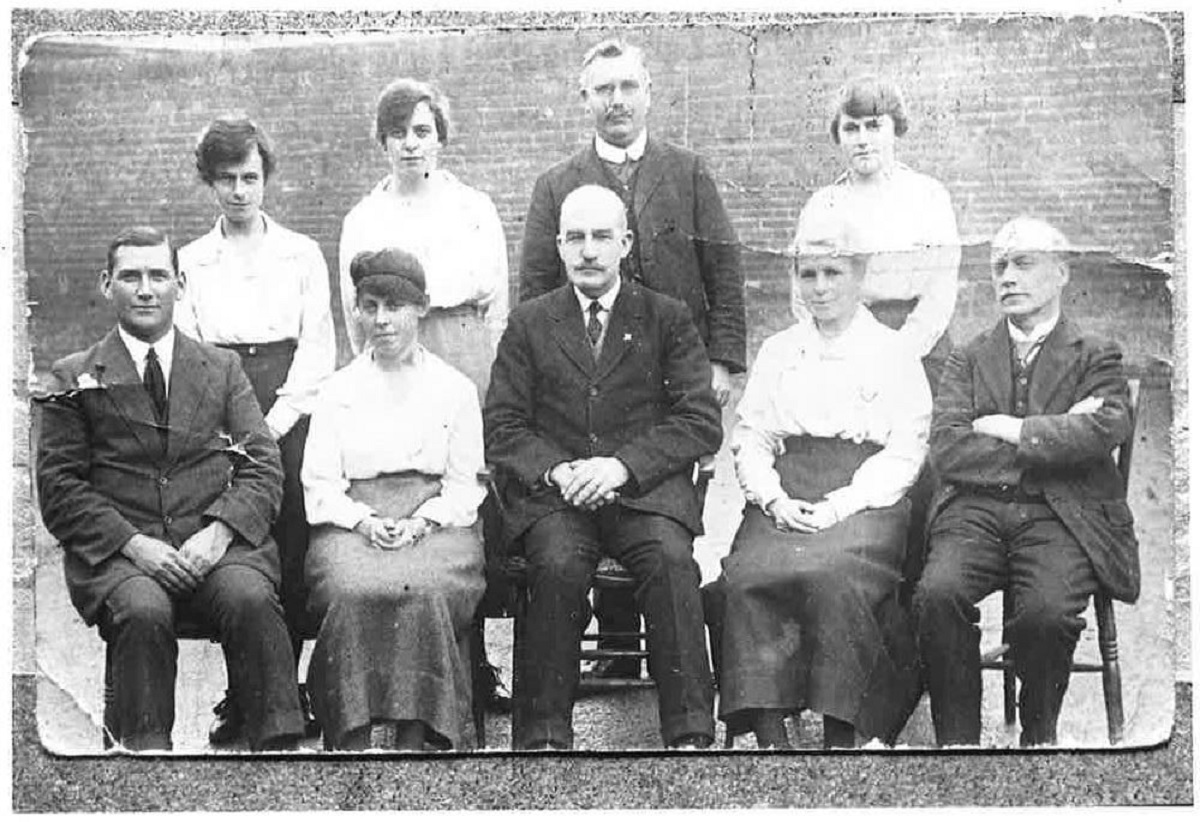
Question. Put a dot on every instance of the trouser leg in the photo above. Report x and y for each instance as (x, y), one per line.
(1051, 581)
(138, 623)
(291, 535)
(966, 563)
(562, 550)
(241, 603)
(658, 551)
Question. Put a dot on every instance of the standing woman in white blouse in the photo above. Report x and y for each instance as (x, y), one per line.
(395, 567)
(830, 434)
(262, 290)
(453, 229)
(902, 217)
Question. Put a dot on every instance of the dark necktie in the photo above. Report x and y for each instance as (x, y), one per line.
(156, 387)
(594, 328)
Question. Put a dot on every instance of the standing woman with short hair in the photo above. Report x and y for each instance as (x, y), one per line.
(901, 217)
(452, 228)
(263, 291)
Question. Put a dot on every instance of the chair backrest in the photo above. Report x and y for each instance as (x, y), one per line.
(1124, 452)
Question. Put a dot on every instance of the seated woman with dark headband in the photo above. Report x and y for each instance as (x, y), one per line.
(395, 566)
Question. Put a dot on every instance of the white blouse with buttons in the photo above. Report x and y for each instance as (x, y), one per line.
(861, 386)
(369, 422)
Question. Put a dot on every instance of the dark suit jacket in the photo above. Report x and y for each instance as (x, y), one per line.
(102, 475)
(687, 246)
(1069, 456)
(648, 402)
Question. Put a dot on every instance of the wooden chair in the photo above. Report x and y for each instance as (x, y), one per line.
(609, 574)
(1109, 667)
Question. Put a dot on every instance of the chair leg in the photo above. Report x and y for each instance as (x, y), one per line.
(110, 701)
(1106, 628)
(520, 608)
(1010, 673)
(479, 684)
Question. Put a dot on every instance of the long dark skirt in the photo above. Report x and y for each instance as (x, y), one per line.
(394, 624)
(814, 620)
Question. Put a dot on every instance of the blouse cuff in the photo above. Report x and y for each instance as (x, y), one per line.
(846, 502)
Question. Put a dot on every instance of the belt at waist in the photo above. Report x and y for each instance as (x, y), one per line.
(1006, 493)
(278, 348)
(462, 310)
(892, 313)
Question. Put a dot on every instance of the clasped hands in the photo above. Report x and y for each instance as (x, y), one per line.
(388, 534)
(802, 516)
(589, 483)
(180, 571)
(1008, 428)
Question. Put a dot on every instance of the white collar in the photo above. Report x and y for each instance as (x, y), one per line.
(164, 349)
(616, 154)
(606, 299)
(1039, 332)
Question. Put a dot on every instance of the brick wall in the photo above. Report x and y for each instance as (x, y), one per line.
(1066, 119)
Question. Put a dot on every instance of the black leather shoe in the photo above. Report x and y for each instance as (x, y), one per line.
(229, 724)
(312, 728)
(692, 742)
(613, 669)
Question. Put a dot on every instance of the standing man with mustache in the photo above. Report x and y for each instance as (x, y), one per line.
(1024, 426)
(683, 242)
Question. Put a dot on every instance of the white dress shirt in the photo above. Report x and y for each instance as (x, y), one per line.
(606, 301)
(164, 349)
(456, 234)
(281, 292)
(618, 155)
(907, 224)
(423, 417)
(861, 386)
(1026, 343)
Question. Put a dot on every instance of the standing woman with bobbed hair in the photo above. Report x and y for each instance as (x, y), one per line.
(263, 291)
(453, 229)
(899, 216)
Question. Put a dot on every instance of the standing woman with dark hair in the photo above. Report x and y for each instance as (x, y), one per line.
(263, 291)
(901, 217)
(451, 228)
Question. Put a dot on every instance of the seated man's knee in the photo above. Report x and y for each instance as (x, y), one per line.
(1038, 618)
(243, 592)
(139, 603)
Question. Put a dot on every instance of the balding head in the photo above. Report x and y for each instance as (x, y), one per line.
(1029, 270)
(593, 238)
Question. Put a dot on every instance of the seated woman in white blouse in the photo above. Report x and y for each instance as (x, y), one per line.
(831, 432)
(395, 568)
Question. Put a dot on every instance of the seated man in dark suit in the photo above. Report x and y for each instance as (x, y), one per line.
(600, 402)
(157, 474)
(1024, 426)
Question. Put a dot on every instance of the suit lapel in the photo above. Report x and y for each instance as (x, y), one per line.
(1053, 364)
(995, 367)
(127, 393)
(622, 325)
(568, 331)
(190, 381)
(650, 174)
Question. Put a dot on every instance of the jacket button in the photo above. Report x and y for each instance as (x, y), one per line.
(593, 438)
(163, 481)
(593, 391)
(252, 350)
(167, 520)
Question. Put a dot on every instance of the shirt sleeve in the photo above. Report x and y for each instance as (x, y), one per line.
(885, 477)
(316, 349)
(937, 256)
(494, 251)
(349, 244)
(323, 474)
(756, 439)
(458, 503)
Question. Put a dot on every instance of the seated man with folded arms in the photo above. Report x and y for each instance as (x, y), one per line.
(158, 476)
(1024, 426)
(599, 405)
